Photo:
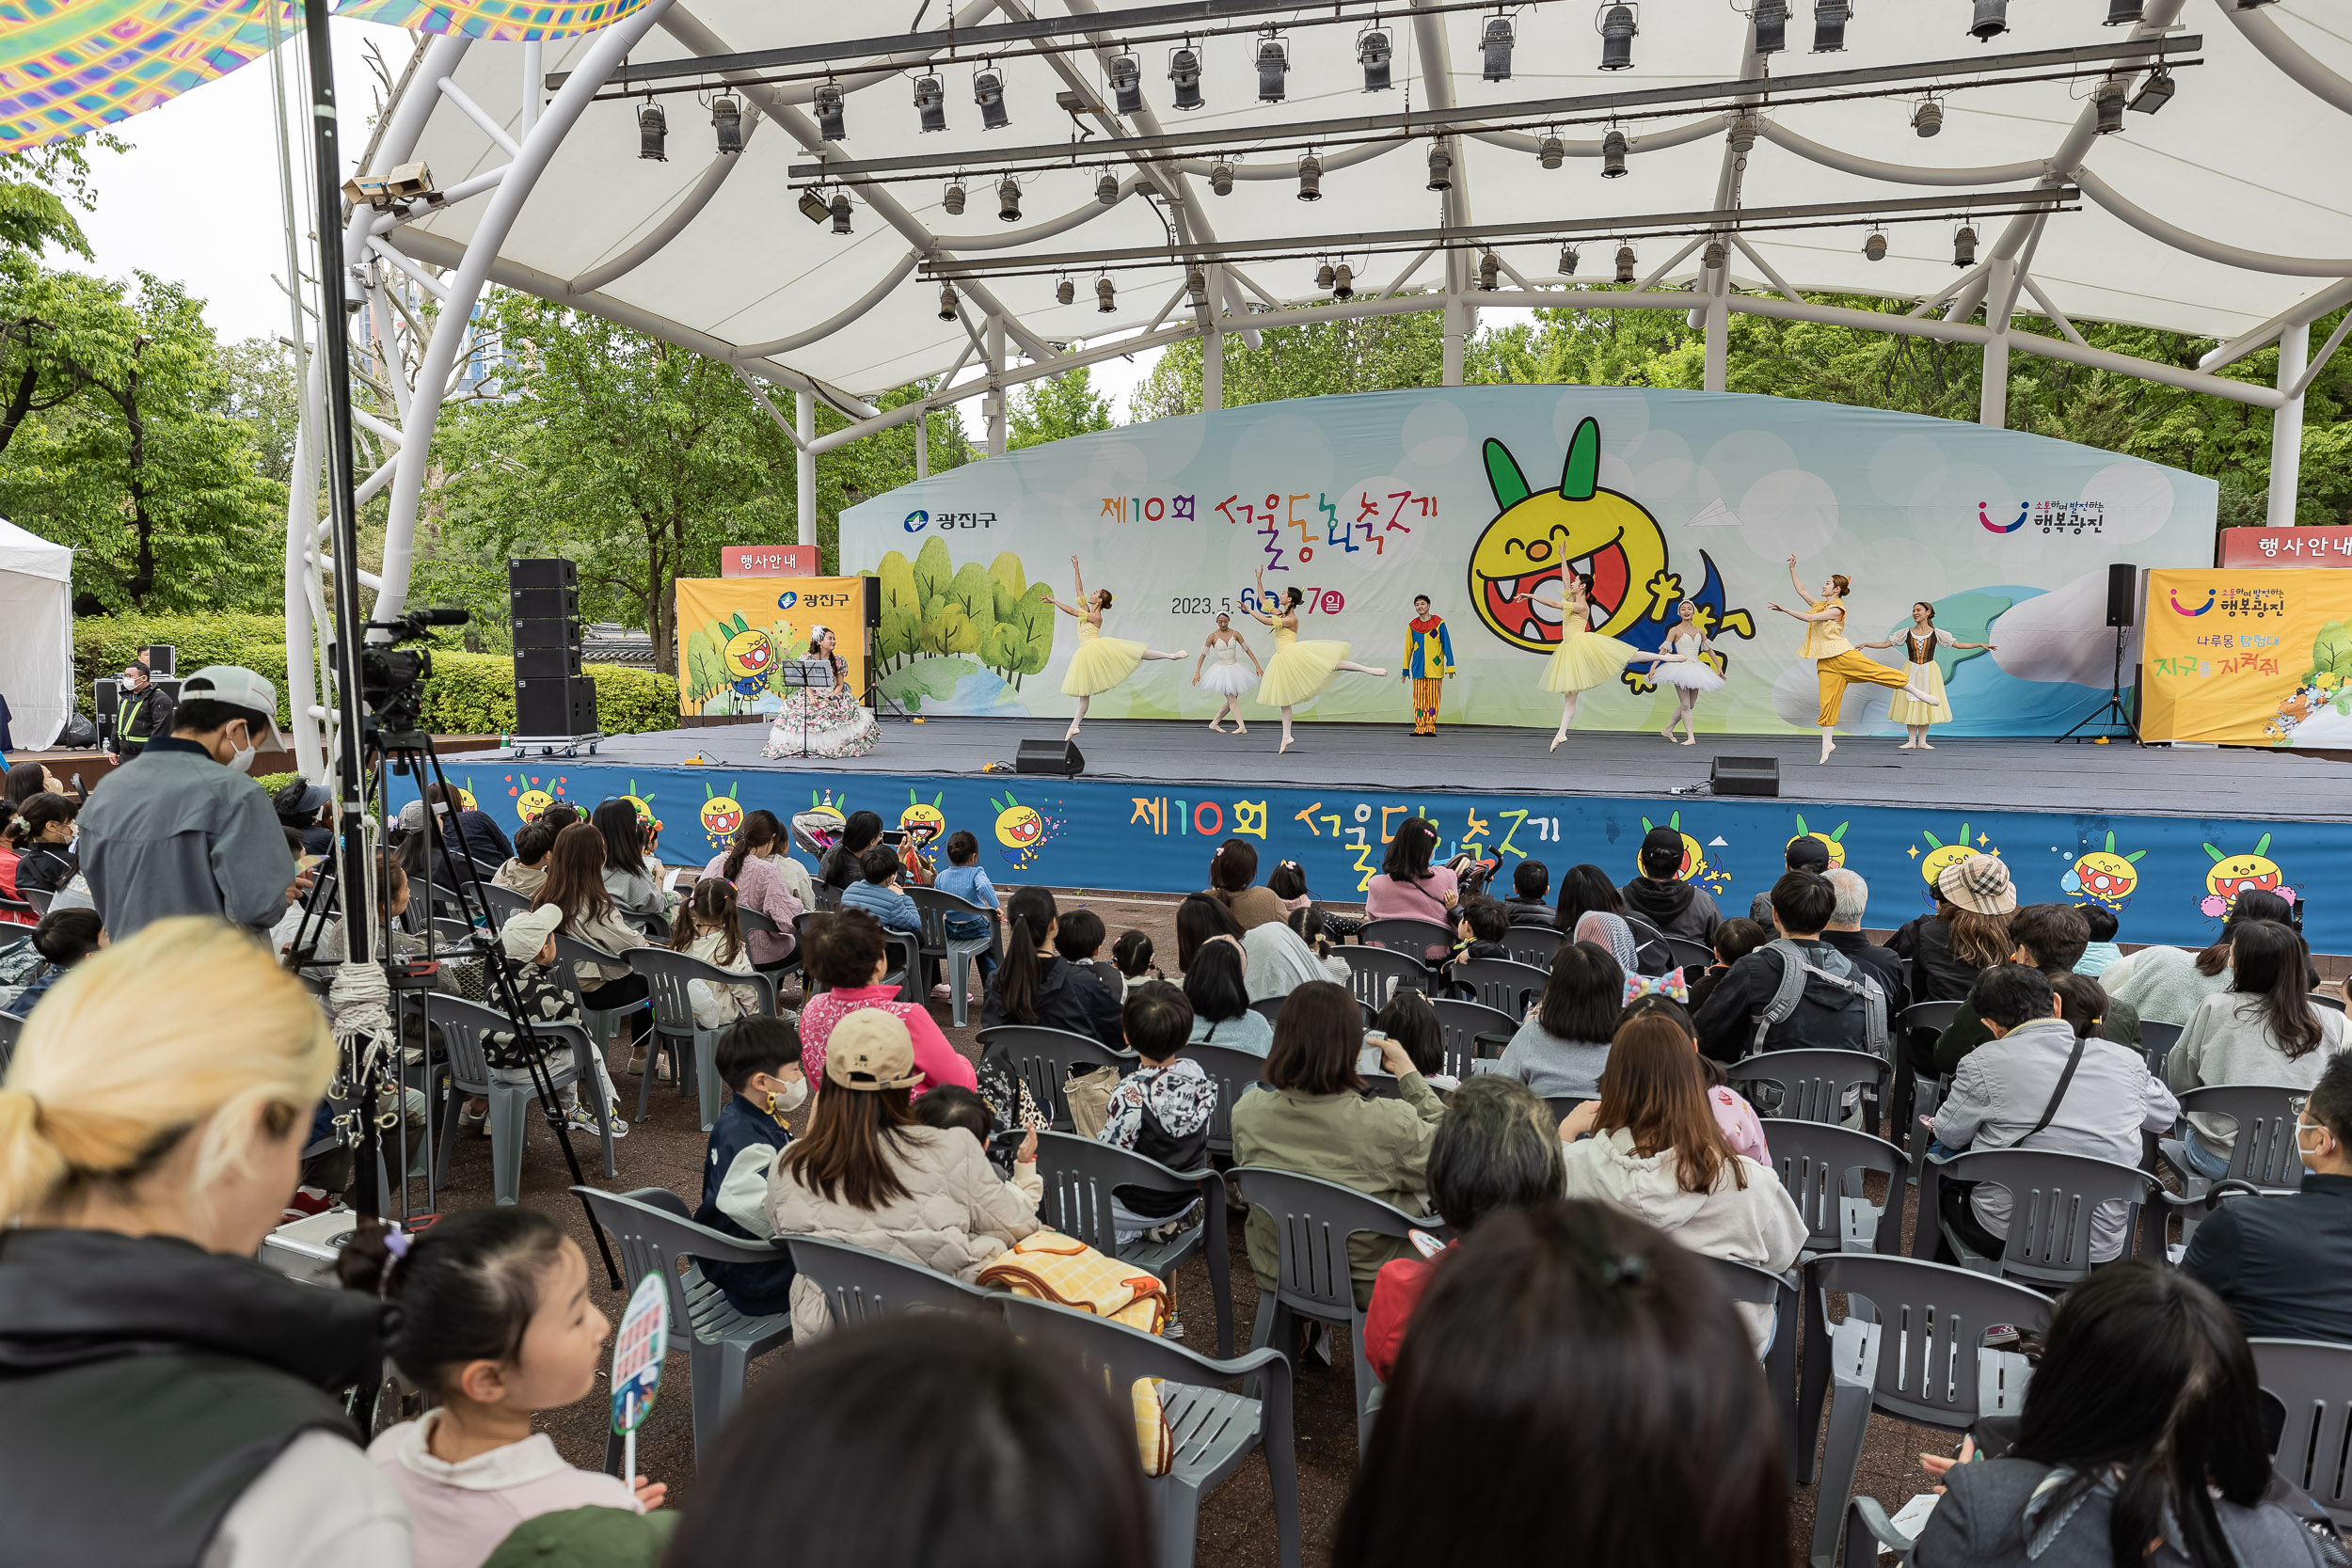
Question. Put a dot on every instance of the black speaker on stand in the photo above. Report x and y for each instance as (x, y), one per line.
(2123, 600)
(553, 701)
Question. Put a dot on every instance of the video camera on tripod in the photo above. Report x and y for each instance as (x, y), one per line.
(392, 678)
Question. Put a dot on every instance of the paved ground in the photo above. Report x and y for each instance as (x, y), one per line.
(1237, 1527)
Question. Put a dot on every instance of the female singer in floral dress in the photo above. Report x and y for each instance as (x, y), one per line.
(822, 721)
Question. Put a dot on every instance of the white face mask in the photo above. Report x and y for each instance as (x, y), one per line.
(240, 758)
(795, 1094)
(2305, 1150)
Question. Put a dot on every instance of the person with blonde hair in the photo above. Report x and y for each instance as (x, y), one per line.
(169, 1398)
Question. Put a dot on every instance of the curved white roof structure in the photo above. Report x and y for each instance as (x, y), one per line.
(1748, 178)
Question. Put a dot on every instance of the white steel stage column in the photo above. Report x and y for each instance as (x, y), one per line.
(804, 468)
(2286, 427)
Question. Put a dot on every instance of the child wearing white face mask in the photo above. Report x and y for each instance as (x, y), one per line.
(760, 1060)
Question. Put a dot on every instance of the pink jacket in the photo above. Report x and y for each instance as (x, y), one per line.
(1389, 899)
(458, 1514)
(940, 1062)
(760, 886)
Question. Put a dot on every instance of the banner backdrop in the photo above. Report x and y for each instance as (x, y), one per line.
(2248, 657)
(1476, 496)
(733, 631)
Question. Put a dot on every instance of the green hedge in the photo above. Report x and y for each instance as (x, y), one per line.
(467, 693)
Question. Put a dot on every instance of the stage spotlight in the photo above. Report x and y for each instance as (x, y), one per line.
(1440, 167)
(1490, 271)
(952, 198)
(988, 90)
(1106, 189)
(1324, 279)
(726, 117)
(1495, 43)
(1875, 246)
(1927, 119)
(1372, 52)
(1990, 21)
(1771, 26)
(653, 131)
(1625, 264)
(812, 205)
(948, 302)
(826, 100)
(1274, 63)
(1712, 258)
(2109, 99)
(2154, 93)
(1221, 178)
(1310, 178)
(2250, 4)
(1105, 298)
(1184, 70)
(931, 103)
(2121, 11)
(1550, 152)
(1126, 84)
(1612, 154)
(1965, 247)
(1065, 292)
(1343, 282)
(1618, 30)
(840, 212)
(1829, 26)
(1196, 288)
(1008, 200)
(1568, 260)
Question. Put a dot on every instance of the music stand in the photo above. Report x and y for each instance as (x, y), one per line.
(807, 674)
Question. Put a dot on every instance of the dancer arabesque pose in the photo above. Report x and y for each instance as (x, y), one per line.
(1219, 670)
(1920, 645)
(1101, 663)
(1683, 665)
(1836, 660)
(1584, 657)
(1299, 669)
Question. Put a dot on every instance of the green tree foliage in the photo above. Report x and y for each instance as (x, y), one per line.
(1047, 410)
(265, 397)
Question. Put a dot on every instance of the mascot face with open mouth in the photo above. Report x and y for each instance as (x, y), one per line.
(1600, 533)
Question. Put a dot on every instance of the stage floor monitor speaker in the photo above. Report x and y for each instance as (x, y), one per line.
(1745, 776)
(1049, 757)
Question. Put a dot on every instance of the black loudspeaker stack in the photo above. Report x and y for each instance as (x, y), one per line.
(551, 696)
(2123, 592)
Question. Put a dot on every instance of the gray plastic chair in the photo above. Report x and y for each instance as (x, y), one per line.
(1373, 972)
(2313, 1380)
(1870, 1534)
(1533, 945)
(11, 1026)
(570, 950)
(954, 955)
(668, 974)
(1043, 1058)
(1910, 1347)
(2157, 1040)
(1234, 1073)
(23, 912)
(2264, 1153)
(40, 899)
(1756, 1286)
(1821, 1166)
(1424, 942)
(655, 1234)
(860, 1284)
(2051, 1200)
(1469, 1031)
(2318, 999)
(1270, 1007)
(462, 1024)
(1213, 1431)
(1814, 1084)
(1313, 1220)
(1924, 1016)
(1560, 1105)
(1500, 984)
(503, 902)
(1080, 1176)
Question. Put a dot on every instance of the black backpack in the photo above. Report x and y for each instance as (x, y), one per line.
(1829, 982)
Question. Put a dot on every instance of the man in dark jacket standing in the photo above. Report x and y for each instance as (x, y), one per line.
(142, 714)
(1661, 897)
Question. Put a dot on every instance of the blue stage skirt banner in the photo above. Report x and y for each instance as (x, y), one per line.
(2169, 879)
(1477, 496)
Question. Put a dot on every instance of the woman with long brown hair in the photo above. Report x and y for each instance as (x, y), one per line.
(768, 880)
(575, 885)
(1651, 1146)
(869, 1174)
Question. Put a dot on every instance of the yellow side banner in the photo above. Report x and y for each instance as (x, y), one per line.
(734, 633)
(2247, 658)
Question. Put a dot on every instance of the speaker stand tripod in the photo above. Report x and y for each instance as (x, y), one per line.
(2113, 714)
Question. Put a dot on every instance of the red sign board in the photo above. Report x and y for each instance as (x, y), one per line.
(2286, 546)
(768, 560)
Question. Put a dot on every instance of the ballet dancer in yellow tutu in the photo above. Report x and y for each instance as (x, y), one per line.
(1835, 660)
(1299, 669)
(1101, 663)
(1584, 657)
(1919, 646)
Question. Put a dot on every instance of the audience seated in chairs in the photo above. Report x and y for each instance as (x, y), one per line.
(759, 1061)
(848, 956)
(1408, 887)
(63, 939)
(1036, 985)
(1232, 872)
(1734, 940)
(2142, 1424)
(1530, 903)
(1161, 1111)
(1560, 1049)
(706, 927)
(1078, 937)
(42, 836)
(1592, 909)
(1217, 986)
(1828, 1015)
(843, 862)
(2050, 938)
(766, 878)
(1495, 1149)
(1407, 1019)
(878, 893)
(576, 887)
(1967, 934)
(1586, 1383)
(632, 878)
(2036, 1085)
(1844, 932)
(2281, 1263)
(1661, 897)
(2165, 983)
(868, 1173)
(1279, 960)
(2262, 1030)
(1651, 1144)
(2102, 950)
(1804, 852)
(953, 1105)
(529, 938)
(526, 870)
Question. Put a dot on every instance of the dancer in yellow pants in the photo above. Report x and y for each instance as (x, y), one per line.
(1834, 659)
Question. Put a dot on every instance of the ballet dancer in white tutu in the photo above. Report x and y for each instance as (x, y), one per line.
(1101, 663)
(1684, 665)
(1220, 671)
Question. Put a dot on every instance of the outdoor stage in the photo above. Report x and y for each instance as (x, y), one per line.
(2188, 826)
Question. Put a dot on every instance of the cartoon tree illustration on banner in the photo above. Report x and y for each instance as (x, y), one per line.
(970, 611)
(933, 572)
(898, 636)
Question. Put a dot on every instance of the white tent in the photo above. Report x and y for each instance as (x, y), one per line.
(37, 648)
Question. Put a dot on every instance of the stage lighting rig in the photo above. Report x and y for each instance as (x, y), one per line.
(1184, 71)
(988, 91)
(726, 119)
(1106, 189)
(1874, 248)
(1619, 25)
(1965, 247)
(1343, 282)
(2121, 12)
(2109, 100)
(1625, 264)
(1829, 26)
(948, 302)
(1612, 154)
(840, 212)
(1550, 152)
(1568, 260)
(1990, 20)
(1494, 43)
(1065, 292)
(1927, 119)
(2154, 93)
(1771, 26)
(813, 205)
(1126, 74)
(1490, 271)
(653, 132)
(1106, 297)
(1274, 64)
(1008, 200)
(1310, 178)
(931, 103)
(826, 100)
(952, 198)
(1372, 51)
(1440, 167)
(1221, 178)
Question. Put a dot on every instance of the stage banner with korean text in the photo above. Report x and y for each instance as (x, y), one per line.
(2251, 657)
(733, 632)
(1477, 497)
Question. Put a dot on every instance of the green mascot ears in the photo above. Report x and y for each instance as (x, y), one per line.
(1580, 475)
(1503, 476)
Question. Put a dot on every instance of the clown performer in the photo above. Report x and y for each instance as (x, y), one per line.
(1428, 660)
(1836, 660)
(1101, 663)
